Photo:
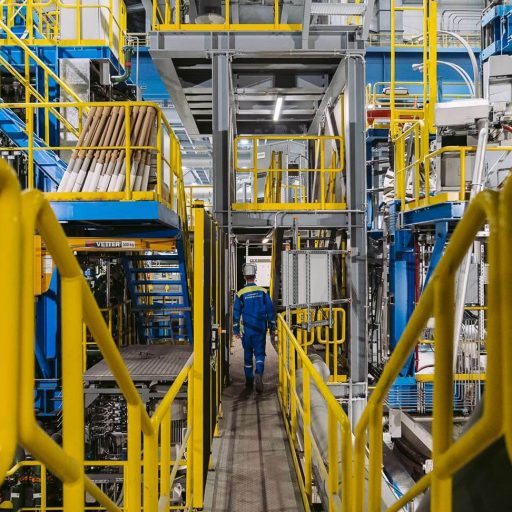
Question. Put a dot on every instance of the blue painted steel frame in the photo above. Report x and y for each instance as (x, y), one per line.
(442, 212)
(402, 288)
(437, 252)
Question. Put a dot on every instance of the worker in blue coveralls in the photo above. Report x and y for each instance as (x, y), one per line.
(253, 314)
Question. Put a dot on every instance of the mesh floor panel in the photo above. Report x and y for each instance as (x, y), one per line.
(253, 470)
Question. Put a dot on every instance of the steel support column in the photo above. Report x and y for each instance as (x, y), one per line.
(222, 134)
(356, 200)
(402, 288)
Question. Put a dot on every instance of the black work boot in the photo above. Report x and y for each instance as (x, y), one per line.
(249, 384)
(259, 383)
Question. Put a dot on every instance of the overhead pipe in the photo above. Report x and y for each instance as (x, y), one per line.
(471, 55)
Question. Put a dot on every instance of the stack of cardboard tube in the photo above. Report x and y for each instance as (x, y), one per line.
(92, 169)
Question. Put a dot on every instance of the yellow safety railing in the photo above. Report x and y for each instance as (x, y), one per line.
(428, 45)
(196, 193)
(333, 462)
(169, 16)
(31, 93)
(120, 323)
(413, 186)
(61, 23)
(10, 293)
(267, 179)
(408, 94)
(147, 435)
(438, 300)
(410, 40)
(332, 337)
(169, 187)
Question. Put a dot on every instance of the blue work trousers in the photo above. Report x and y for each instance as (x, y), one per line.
(254, 348)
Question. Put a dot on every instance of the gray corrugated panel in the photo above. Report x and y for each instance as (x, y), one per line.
(253, 467)
(145, 363)
(338, 9)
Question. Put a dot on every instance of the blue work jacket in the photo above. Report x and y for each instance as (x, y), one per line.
(253, 312)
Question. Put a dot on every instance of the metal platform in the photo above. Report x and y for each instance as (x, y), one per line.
(145, 363)
(120, 213)
(253, 467)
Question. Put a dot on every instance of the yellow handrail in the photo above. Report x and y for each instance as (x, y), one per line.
(10, 287)
(30, 55)
(121, 336)
(421, 164)
(67, 462)
(325, 164)
(44, 23)
(329, 336)
(167, 158)
(170, 19)
(296, 408)
(438, 300)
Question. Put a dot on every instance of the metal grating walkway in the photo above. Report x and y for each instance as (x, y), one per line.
(253, 467)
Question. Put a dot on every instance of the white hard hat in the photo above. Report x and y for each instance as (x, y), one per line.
(249, 269)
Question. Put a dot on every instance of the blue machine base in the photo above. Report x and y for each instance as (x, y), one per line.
(432, 214)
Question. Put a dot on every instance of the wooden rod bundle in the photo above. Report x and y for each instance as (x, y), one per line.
(104, 170)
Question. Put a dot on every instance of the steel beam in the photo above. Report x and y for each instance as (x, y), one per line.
(172, 83)
(330, 97)
(221, 130)
(256, 45)
(269, 219)
(354, 129)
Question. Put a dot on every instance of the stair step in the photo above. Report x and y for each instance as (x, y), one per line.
(159, 281)
(155, 270)
(159, 294)
(163, 318)
(167, 338)
(160, 307)
(153, 257)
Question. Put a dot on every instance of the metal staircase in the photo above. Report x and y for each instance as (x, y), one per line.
(46, 161)
(160, 296)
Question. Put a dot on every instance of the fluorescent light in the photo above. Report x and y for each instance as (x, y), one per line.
(265, 241)
(277, 111)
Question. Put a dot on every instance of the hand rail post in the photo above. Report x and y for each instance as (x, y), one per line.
(308, 463)
(72, 387)
(128, 152)
(132, 488)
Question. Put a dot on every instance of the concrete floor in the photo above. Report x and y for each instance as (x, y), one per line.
(253, 467)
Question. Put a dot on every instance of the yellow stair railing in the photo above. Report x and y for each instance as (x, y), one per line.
(10, 291)
(438, 300)
(147, 435)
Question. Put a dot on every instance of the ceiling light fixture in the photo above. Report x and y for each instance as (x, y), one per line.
(277, 111)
